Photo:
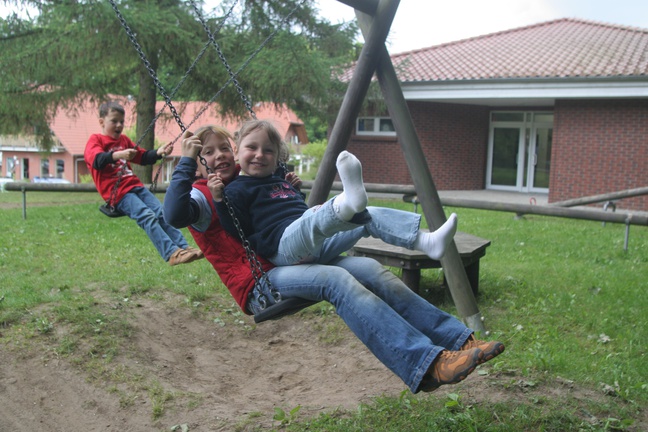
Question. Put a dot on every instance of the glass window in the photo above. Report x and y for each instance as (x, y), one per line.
(60, 168)
(44, 168)
(508, 116)
(365, 125)
(386, 125)
(544, 118)
(375, 126)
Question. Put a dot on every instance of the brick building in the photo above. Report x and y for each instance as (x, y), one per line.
(559, 107)
(23, 160)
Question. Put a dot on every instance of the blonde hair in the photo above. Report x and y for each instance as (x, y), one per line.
(203, 132)
(251, 126)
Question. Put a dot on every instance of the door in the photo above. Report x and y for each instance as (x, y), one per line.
(506, 142)
(519, 151)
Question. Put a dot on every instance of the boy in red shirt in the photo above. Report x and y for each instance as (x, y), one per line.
(108, 156)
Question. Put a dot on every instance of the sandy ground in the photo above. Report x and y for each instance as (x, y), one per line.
(230, 372)
(222, 378)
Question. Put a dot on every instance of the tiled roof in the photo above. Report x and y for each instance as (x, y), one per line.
(564, 48)
(73, 131)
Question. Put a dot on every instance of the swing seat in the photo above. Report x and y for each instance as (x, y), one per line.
(283, 308)
(110, 211)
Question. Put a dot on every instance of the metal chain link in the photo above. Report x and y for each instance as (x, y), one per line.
(255, 265)
(240, 69)
(186, 75)
(160, 88)
(239, 89)
(147, 64)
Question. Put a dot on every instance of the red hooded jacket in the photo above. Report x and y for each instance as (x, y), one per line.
(226, 254)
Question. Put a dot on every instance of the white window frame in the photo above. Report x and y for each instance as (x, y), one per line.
(376, 130)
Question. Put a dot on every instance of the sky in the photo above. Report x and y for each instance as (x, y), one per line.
(424, 23)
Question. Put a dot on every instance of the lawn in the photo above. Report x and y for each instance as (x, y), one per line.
(567, 300)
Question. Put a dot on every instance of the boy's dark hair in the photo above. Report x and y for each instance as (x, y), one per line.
(106, 107)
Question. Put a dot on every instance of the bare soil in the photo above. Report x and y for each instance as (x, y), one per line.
(221, 378)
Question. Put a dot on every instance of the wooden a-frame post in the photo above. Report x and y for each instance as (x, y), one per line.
(374, 18)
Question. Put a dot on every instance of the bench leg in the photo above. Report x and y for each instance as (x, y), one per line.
(411, 278)
(472, 271)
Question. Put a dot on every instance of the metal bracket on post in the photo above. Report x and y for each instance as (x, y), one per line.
(476, 322)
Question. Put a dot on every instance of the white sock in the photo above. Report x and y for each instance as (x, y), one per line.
(434, 244)
(354, 198)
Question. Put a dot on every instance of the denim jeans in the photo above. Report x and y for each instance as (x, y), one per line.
(404, 331)
(396, 227)
(320, 235)
(145, 209)
(306, 239)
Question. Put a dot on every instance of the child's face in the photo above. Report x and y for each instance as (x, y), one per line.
(112, 124)
(257, 155)
(217, 152)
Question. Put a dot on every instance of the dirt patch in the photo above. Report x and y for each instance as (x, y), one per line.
(219, 377)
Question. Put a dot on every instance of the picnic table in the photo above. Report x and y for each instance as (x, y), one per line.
(471, 249)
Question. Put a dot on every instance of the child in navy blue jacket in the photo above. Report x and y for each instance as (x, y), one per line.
(276, 220)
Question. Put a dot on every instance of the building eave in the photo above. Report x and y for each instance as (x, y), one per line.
(525, 92)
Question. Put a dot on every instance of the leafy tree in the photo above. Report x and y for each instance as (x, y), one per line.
(75, 50)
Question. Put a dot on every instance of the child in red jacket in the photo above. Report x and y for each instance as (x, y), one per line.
(108, 156)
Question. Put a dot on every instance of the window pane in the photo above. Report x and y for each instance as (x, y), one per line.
(44, 168)
(510, 116)
(365, 125)
(386, 125)
(505, 149)
(544, 118)
(60, 168)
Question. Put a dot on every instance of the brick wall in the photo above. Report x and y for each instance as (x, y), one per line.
(600, 147)
(454, 139)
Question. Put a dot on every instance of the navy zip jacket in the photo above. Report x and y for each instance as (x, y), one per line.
(264, 208)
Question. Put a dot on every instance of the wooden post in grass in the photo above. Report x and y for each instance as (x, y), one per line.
(453, 268)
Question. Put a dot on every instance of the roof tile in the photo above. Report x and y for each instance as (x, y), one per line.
(564, 48)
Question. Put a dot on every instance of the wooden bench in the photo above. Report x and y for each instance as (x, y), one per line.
(471, 248)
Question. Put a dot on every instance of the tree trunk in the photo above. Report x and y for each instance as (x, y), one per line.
(145, 115)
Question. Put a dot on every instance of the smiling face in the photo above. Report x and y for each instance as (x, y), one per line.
(112, 124)
(257, 154)
(219, 156)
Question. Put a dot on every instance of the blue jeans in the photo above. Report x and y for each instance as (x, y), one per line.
(404, 331)
(395, 227)
(319, 235)
(306, 239)
(145, 209)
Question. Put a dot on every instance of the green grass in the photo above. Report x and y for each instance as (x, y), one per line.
(564, 296)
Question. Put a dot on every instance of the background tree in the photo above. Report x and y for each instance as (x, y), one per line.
(77, 50)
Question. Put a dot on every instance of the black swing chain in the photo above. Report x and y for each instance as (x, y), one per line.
(186, 75)
(233, 75)
(239, 89)
(160, 88)
(147, 64)
(255, 265)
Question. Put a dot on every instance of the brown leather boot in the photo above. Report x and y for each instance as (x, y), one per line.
(491, 349)
(451, 367)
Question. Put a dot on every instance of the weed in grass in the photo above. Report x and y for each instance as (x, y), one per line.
(159, 398)
(285, 418)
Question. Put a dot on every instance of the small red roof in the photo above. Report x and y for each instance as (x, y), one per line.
(73, 130)
(563, 48)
